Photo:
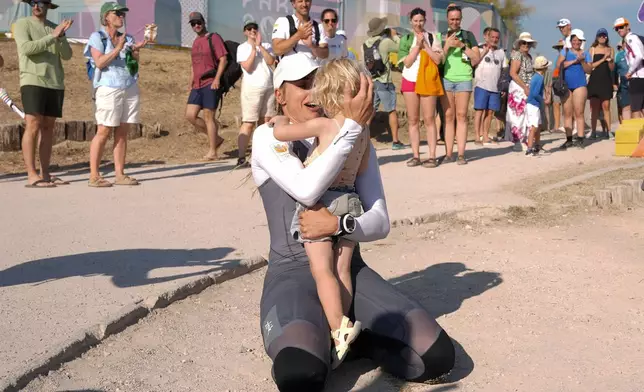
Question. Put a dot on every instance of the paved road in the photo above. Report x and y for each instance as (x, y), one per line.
(72, 256)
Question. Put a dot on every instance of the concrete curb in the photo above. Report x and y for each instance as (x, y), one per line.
(118, 322)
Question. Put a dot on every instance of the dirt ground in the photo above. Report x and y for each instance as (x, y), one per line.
(551, 304)
(164, 83)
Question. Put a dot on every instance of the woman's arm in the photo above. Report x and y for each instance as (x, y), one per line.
(250, 60)
(436, 51)
(611, 63)
(515, 66)
(586, 63)
(268, 57)
(374, 224)
(411, 56)
(286, 132)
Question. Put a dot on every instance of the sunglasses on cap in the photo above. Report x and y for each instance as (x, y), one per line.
(453, 8)
(194, 23)
(327, 21)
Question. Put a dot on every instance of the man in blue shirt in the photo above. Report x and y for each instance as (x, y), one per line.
(621, 83)
(535, 102)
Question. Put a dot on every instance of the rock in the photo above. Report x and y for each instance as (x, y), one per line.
(59, 132)
(90, 130)
(621, 194)
(603, 197)
(637, 185)
(587, 201)
(10, 137)
(75, 130)
(468, 227)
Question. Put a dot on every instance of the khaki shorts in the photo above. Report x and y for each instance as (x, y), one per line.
(257, 103)
(116, 106)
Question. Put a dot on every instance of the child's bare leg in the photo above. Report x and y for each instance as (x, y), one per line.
(533, 131)
(344, 251)
(322, 261)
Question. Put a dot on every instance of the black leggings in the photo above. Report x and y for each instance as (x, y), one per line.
(398, 334)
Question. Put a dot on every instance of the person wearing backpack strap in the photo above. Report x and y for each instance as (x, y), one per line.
(634, 48)
(205, 82)
(114, 56)
(257, 94)
(461, 56)
(376, 50)
(299, 33)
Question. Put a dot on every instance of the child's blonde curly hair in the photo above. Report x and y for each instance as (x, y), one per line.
(329, 82)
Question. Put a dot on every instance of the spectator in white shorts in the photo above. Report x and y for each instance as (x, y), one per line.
(257, 95)
(114, 57)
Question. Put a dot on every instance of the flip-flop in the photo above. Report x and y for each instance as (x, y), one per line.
(35, 184)
(58, 181)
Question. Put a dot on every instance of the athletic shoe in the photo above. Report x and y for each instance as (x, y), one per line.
(397, 146)
(566, 145)
(579, 142)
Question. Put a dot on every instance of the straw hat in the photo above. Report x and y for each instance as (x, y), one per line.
(525, 37)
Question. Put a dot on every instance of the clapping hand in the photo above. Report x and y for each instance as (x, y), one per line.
(258, 39)
(62, 28)
(140, 45)
(305, 30)
(420, 39)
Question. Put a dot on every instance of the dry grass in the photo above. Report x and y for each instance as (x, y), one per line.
(164, 83)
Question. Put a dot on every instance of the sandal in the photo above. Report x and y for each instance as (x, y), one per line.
(125, 180)
(58, 181)
(346, 335)
(413, 162)
(99, 182)
(36, 183)
(461, 160)
(448, 159)
(430, 163)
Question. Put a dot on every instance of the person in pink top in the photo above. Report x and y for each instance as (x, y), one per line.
(205, 79)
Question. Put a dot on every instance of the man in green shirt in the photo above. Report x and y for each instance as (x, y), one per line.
(41, 46)
(384, 90)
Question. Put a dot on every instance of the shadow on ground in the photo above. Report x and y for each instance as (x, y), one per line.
(441, 289)
(127, 268)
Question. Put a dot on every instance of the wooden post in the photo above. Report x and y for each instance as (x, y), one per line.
(603, 197)
(10, 137)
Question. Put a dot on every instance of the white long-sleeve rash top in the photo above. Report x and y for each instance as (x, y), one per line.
(634, 55)
(273, 159)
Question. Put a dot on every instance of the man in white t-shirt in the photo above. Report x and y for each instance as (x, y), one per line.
(299, 33)
(257, 95)
(565, 27)
(337, 43)
(634, 48)
(487, 98)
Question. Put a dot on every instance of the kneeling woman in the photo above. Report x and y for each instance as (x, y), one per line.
(398, 333)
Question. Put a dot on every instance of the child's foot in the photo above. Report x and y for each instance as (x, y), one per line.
(343, 337)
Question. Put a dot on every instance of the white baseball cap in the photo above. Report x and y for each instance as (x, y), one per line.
(293, 67)
(563, 22)
(578, 33)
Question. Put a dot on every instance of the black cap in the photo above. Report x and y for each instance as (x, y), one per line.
(195, 16)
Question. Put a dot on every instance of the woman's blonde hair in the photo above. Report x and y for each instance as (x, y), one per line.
(329, 82)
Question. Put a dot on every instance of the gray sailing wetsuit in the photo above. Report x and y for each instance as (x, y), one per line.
(398, 334)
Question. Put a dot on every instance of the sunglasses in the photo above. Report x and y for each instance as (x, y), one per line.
(120, 14)
(620, 28)
(496, 62)
(196, 23)
(41, 4)
(327, 21)
(525, 43)
(453, 8)
(251, 28)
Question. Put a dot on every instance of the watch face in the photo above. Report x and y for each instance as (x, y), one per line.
(351, 223)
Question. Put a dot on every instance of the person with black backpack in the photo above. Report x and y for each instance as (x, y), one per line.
(376, 49)
(209, 59)
(634, 47)
(299, 33)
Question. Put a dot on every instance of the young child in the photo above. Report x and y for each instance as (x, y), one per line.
(535, 103)
(331, 263)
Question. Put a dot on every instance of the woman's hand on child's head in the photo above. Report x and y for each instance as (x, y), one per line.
(360, 107)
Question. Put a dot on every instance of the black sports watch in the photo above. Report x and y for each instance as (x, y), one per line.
(346, 224)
